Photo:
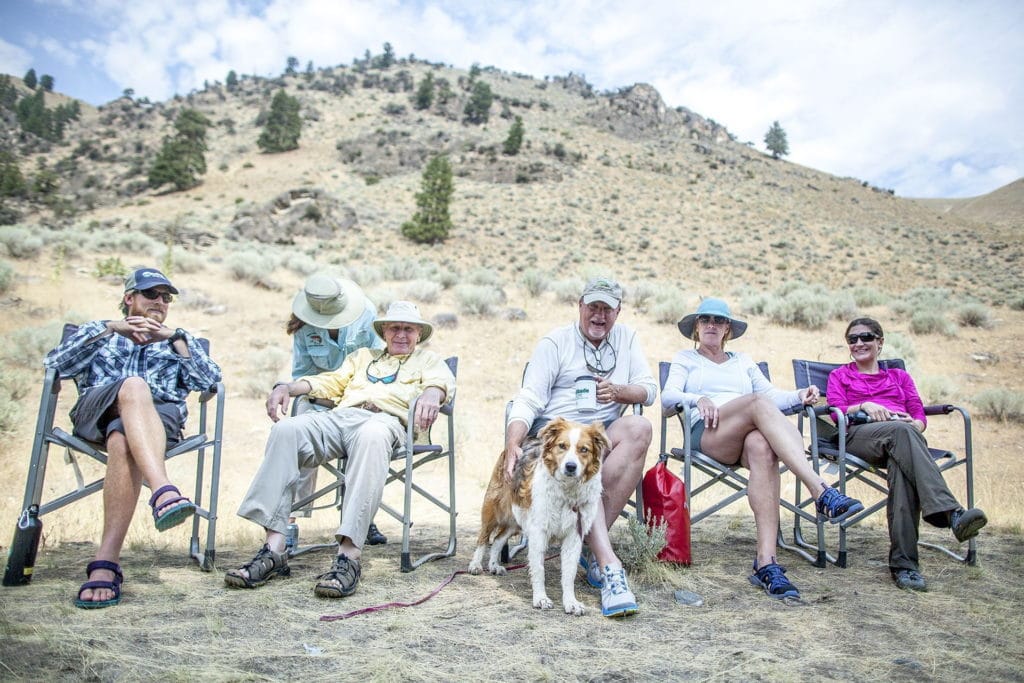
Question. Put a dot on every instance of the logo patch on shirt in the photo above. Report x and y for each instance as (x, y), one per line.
(316, 339)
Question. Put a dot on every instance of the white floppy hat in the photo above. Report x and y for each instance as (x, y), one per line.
(403, 312)
(329, 302)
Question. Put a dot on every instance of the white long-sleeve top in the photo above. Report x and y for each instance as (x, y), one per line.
(692, 377)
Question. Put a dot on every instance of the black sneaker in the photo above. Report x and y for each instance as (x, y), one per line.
(374, 536)
(967, 523)
(909, 579)
(772, 578)
(345, 572)
(835, 506)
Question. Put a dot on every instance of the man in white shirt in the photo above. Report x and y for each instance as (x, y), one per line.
(594, 346)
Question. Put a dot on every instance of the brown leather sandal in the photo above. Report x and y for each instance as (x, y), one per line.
(262, 568)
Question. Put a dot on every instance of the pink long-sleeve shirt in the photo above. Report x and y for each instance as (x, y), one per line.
(892, 388)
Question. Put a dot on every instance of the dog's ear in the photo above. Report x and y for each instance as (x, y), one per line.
(599, 436)
(551, 431)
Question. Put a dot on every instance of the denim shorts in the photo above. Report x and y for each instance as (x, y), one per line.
(696, 432)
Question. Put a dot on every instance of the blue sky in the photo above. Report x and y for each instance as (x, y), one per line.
(924, 97)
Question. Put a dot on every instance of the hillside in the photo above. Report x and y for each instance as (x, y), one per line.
(618, 180)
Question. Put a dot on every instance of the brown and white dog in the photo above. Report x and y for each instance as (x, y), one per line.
(553, 496)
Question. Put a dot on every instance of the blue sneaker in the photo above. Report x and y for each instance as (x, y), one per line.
(835, 506)
(616, 598)
(772, 578)
(593, 571)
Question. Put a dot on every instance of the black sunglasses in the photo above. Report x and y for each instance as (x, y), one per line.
(709, 319)
(862, 337)
(153, 294)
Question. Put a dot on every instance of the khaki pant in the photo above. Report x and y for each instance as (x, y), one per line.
(305, 441)
(916, 486)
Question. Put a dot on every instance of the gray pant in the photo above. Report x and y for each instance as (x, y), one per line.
(916, 486)
(307, 477)
(367, 439)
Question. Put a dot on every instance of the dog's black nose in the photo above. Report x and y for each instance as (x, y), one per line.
(570, 468)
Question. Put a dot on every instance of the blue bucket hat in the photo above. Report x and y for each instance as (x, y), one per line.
(147, 278)
(711, 306)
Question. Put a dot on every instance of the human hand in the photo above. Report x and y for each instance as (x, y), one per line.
(810, 395)
(512, 455)
(608, 392)
(140, 329)
(708, 411)
(427, 408)
(277, 402)
(877, 412)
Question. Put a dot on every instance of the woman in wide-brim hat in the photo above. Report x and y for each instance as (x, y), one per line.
(735, 418)
(331, 319)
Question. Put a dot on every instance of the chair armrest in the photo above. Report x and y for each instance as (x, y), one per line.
(943, 409)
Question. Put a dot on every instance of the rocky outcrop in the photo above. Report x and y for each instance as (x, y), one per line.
(639, 113)
(304, 212)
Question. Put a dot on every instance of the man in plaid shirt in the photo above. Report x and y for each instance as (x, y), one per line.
(133, 377)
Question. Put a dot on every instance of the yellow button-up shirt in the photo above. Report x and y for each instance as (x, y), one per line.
(349, 386)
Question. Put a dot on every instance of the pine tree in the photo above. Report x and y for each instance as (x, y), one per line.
(46, 82)
(182, 158)
(775, 141)
(30, 79)
(283, 127)
(232, 80)
(478, 109)
(291, 66)
(424, 97)
(432, 222)
(12, 182)
(515, 137)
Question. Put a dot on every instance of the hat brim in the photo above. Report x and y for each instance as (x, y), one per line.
(687, 324)
(355, 304)
(426, 329)
(603, 298)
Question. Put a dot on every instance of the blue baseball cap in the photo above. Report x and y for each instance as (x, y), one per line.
(147, 278)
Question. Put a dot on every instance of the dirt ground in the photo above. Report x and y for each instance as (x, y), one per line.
(178, 623)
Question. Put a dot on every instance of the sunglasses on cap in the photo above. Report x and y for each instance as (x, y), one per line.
(862, 337)
(153, 294)
(712, 319)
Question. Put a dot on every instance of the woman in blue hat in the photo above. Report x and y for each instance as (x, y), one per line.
(736, 418)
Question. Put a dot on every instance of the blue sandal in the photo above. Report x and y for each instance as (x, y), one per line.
(173, 512)
(114, 585)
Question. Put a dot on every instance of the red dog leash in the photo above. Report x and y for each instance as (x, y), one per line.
(389, 605)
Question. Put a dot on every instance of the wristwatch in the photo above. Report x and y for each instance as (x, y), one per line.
(178, 334)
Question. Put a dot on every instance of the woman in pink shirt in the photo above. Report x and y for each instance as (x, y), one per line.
(887, 431)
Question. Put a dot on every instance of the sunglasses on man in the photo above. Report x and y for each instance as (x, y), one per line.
(863, 337)
(153, 294)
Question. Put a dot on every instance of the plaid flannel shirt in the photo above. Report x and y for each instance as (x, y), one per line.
(94, 358)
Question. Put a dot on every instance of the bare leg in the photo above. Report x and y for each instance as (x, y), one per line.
(121, 488)
(144, 432)
(629, 437)
(739, 417)
(763, 493)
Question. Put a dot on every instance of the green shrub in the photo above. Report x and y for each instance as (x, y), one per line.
(669, 306)
(401, 270)
(422, 291)
(110, 266)
(365, 275)
(1000, 404)
(798, 304)
(974, 315)
(1017, 304)
(20, 242)
(567, 291)
(898, 345)
(641, 293)
(251, 267)
(382, 297)
(931, 322)
(865, 296)
(132, 242)
(534, 282)
(937, 389)
(183, 262)
(6, 276)
(301, 264)
(934, 299)
(479, 300)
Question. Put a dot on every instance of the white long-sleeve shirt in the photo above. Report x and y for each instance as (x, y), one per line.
(692, 377)
(548, 389)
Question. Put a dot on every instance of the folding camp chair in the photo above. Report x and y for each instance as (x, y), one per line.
(48, 434)
(404, 462)
(827, 427)
(731, 477)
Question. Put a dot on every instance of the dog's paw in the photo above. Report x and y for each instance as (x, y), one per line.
(475, 568)
(543, 602)
(497, 570)
(573, 607)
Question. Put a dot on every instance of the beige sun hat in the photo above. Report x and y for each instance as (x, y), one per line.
(403, 312)
(329, 302)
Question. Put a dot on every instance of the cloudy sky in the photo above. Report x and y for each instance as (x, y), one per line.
(922, 96)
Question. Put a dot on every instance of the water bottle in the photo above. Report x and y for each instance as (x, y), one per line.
(291, 537)
(22, 557)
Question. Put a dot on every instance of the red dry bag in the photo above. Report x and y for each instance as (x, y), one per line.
(665, 503)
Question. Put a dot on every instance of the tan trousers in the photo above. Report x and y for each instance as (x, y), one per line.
(367, 439)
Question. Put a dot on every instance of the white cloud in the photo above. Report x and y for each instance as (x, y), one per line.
(14, 60)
